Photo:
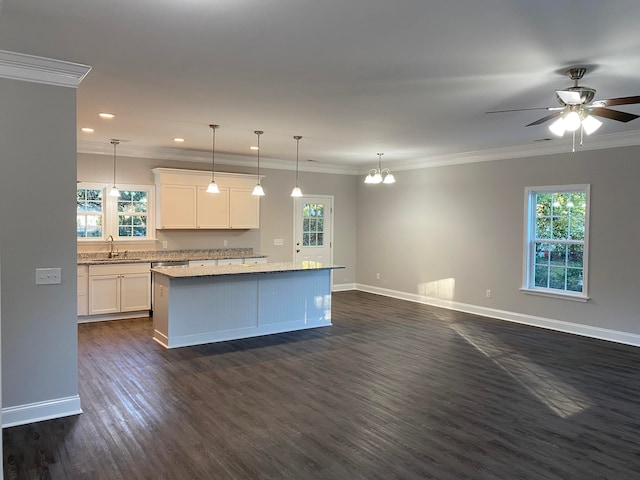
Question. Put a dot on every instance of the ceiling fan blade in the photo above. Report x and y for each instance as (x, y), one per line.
(545, 119)
(613, 114)
(621, 101)
(569, 97)
(521, 109)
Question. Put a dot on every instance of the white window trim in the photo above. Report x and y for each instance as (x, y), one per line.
(529, 227)
(110, 214)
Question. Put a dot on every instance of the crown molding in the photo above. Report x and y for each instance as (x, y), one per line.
(197, 156)
(29, 68)
(553, 147)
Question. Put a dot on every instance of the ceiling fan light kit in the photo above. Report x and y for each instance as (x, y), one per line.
(578, 109)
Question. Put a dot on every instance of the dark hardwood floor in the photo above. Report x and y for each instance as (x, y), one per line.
(393, 390)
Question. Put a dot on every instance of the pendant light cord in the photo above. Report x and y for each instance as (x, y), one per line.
(114, 143)
(297, 137)
(213, 151)
(258, 133)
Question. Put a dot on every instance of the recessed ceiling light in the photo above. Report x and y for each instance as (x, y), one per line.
(178, 139)
(87, 130)
(254, 148)
(106, 115)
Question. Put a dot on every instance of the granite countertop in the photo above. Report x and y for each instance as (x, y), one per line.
(209, 271)
(101, 258)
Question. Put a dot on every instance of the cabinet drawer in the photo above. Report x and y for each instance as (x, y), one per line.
(229, 261)
(203, 263)
(119, 268)
(253, 260)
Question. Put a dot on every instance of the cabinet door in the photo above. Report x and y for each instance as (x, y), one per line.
(177, 206)
(83, 290)
(244, 208)
(135, 292)
(212, 208)
(104, 294)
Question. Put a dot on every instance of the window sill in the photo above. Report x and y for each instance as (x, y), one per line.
(553, 294)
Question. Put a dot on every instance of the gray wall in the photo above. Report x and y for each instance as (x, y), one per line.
(454, 232)
(37, 199)
(276, 209)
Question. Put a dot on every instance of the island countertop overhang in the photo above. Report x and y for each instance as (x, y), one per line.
(242, 269)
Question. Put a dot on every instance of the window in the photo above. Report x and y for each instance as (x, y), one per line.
(127, 218)
(132, 213)
(313, 225)
(556, 241)
(89, 212)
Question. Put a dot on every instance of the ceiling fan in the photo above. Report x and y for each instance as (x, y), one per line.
(578, 108)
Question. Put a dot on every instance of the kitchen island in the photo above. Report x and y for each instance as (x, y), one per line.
(196, 305)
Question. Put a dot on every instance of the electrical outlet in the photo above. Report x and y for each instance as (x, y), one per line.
(488, 293)
(165, 244)
(377, 276)
(226, 243)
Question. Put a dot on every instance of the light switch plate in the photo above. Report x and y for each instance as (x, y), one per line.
(48, 276)
(278, 241)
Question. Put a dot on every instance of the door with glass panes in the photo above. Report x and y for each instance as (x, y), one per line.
(313, 230)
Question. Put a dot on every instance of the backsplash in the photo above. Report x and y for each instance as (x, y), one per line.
(166, 255)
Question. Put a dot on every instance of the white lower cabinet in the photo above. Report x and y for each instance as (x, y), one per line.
(83, 290)
(119, 288)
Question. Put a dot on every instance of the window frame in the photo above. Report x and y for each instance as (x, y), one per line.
(528, 270)
(94, 186)
(110, 214)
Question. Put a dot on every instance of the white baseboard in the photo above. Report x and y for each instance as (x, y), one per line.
(343, 287)
(548, 323)
(39, 411)
(113, 316)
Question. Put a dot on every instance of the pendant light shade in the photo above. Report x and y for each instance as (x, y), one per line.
(296, 192)
(258, 191)
(114, 192)
(380, 175)
(213, 186)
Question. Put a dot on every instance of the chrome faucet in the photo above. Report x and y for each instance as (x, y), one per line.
(110, 242)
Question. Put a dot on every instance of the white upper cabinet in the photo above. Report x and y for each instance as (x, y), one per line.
(213, 208)
(183, 202)
(244, 211)
(177, 206)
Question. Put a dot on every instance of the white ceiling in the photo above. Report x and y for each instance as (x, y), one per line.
(410, 78)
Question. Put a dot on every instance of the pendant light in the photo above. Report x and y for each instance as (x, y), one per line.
(114, 192)
(258, 191)
(213, 186)
(296, 192)
(380, 175)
